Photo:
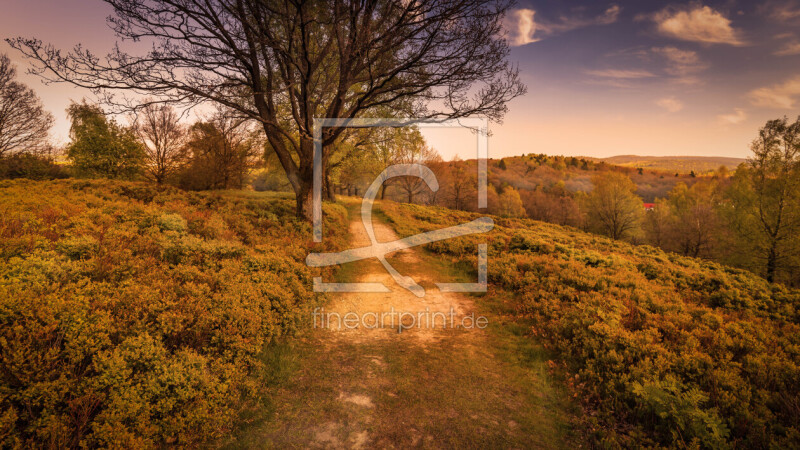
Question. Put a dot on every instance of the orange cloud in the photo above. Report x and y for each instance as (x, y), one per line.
(698, 24)
(671, 104)
(778, 96)
(521, 27)
(616, 73)
(736, 117)
(790, 48)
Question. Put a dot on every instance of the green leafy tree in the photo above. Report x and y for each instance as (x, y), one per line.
(100, 146)
(413, 150)
(765, 201)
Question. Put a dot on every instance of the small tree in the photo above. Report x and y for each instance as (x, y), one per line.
(657, 224)
(461, 185)
(509, 204)
(613, 206)
(693, 218)
(222, 150)
(159, 128)
(554, 206)
(413, 150)
(100, 146)
(24, 124)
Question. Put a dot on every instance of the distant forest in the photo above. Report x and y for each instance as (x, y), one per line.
(743, 213)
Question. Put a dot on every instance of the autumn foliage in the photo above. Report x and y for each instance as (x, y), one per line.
(135, 317)
(660, 349)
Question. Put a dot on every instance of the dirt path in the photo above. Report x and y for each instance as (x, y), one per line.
(398, 315)
(372, 386)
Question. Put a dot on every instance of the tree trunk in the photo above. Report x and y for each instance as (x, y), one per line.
(772, 262)
(328, 190)
(300, 177)
(383, 191)
(305, 201)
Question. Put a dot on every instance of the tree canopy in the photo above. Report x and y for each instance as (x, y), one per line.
(100, 146)
(285, 63)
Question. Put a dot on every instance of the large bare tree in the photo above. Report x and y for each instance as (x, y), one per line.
(160, 129)
(285, 62)
(24, 124)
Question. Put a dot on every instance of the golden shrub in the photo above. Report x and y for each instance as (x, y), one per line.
(133, 316)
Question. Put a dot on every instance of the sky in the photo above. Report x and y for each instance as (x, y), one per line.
(604, 78)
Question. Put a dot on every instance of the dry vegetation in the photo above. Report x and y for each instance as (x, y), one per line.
(660, 349)
(679, 164)
(136, 316)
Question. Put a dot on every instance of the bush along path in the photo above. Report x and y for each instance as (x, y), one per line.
(661, 350)
(394, 381)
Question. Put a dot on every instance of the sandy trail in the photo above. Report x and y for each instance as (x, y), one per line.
(425, 387)
(424, 319)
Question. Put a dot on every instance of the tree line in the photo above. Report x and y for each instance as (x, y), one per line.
(216, 152)
(747, 218)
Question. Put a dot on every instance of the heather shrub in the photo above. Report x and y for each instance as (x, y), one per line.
(134, 316)
(660, 349)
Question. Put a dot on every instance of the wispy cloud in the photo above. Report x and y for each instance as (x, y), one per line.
(681, 64)
(782, 11)
(568, 23)
(522, 27)
(671, 104)
(697, 24)
(736, 117)
(617, 73)
(778, 96)
(789, 48)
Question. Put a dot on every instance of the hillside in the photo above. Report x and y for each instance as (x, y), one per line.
(532, 172)
(675, 164)
(135, 317)
(660, 349)
(553, 176)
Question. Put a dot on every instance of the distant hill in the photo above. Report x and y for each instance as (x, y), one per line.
(679, 164)
(531, 172)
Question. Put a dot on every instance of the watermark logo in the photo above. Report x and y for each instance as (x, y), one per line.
(399, 320)
(379, 250)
